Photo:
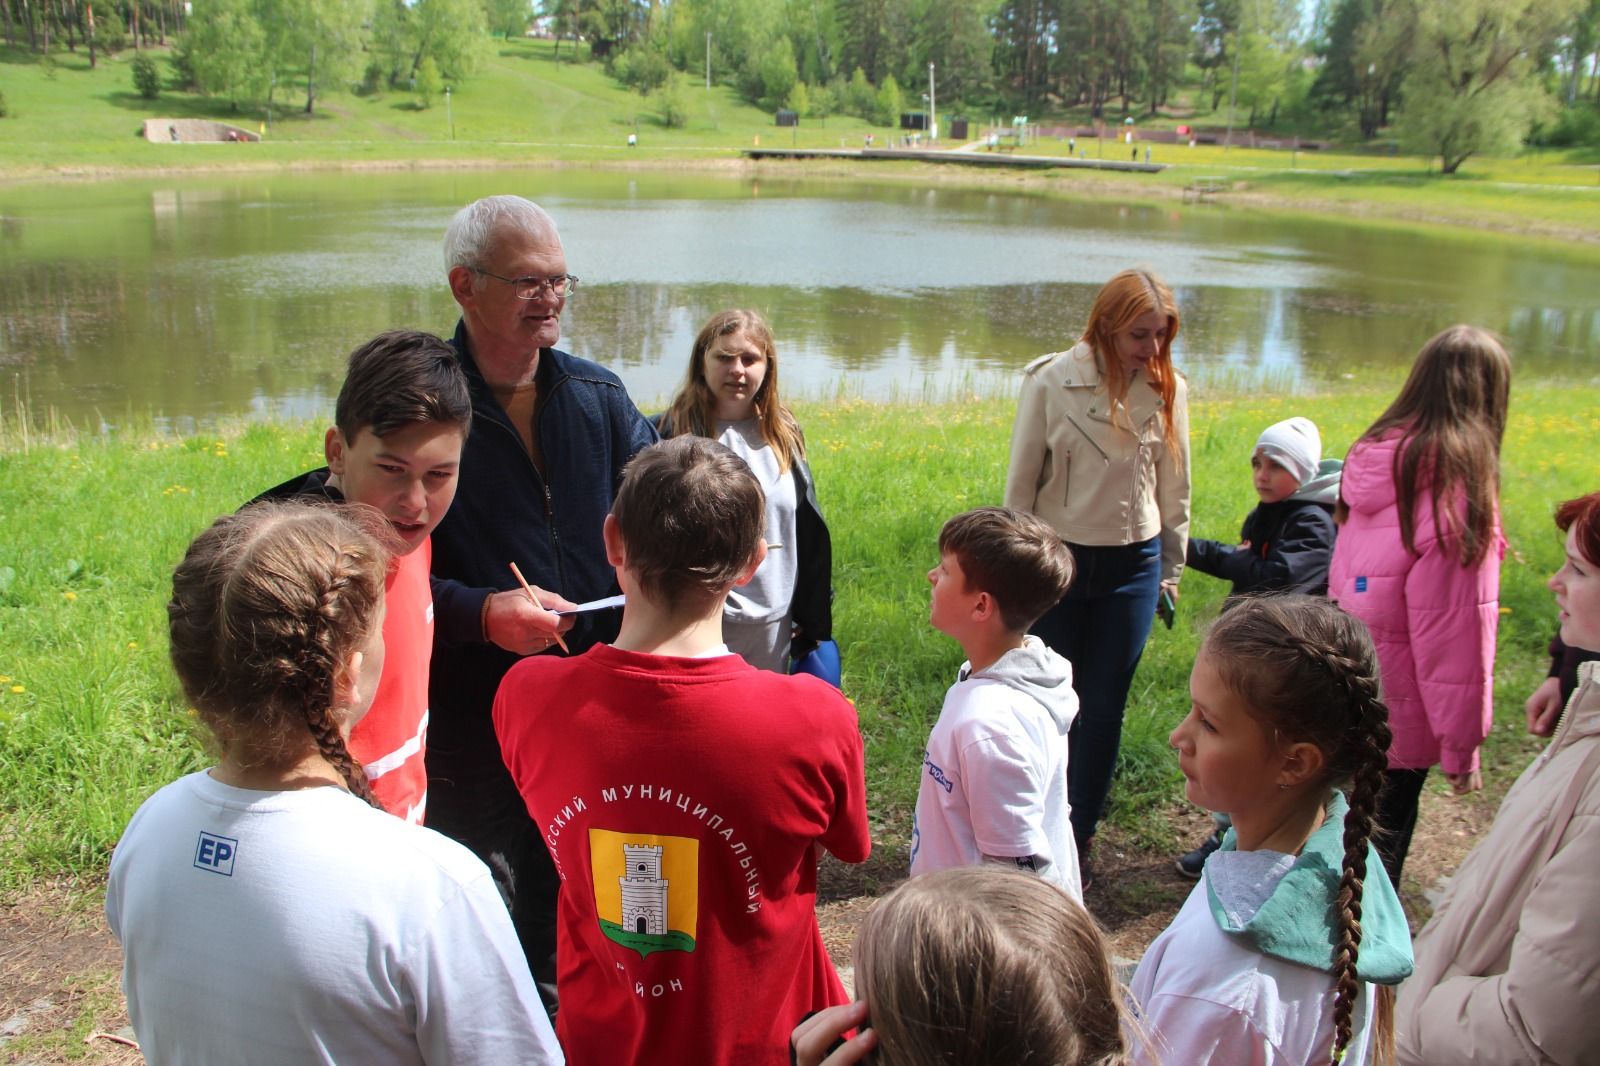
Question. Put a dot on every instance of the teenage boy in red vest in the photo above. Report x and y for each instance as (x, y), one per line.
(395, 445)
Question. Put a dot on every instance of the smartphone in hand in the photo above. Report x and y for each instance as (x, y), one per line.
(1166, 608)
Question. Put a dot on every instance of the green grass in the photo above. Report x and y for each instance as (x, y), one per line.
(524, 107)
(91, 721)
(891, 475)
(1556, 190)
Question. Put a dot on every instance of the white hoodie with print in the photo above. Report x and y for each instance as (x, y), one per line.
(994, 776)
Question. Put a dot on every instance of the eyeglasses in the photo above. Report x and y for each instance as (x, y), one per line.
(561, 286)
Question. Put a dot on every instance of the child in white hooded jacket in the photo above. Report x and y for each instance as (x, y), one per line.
(994, 784)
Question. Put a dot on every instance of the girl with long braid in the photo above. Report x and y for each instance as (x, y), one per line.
(1288, 949)
(267, 908)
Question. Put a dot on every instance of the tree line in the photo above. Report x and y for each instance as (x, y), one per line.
(1452, 77)
(255, 51)
(44, 25)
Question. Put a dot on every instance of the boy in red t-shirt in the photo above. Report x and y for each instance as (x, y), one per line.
(399, 425)
(683, 793)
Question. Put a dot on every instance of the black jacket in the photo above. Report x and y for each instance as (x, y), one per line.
(811, 609)
(1291, 542)
(505, 512)
(1564, 663)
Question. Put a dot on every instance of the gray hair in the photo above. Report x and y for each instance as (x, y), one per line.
(472, 230)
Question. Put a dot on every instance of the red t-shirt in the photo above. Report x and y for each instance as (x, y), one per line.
(391, 737)
(681, 800)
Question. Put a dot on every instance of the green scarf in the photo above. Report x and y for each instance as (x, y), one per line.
(1298, 922)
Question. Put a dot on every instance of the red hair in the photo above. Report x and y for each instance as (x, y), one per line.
(1582, 516)
(1124, 298)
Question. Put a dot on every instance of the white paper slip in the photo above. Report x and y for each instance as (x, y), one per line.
(595, 605)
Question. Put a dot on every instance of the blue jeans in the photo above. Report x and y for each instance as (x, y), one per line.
(1100, 626)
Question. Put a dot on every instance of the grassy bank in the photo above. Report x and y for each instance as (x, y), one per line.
(522, 103)
(525, 107)
(91, 722)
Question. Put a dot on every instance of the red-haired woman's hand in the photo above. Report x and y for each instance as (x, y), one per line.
(1544, 707)
(1461, 784)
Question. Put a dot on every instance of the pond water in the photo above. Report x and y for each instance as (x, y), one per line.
(189, 299)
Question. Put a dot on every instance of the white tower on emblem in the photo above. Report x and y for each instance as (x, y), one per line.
(644, 891)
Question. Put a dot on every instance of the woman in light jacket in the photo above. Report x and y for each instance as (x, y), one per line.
(1101, 451)
(1506, 968)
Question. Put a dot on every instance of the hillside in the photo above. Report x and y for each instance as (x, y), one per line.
(527, 107)
(521, 100)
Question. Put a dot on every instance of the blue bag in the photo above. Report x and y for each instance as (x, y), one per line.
(821, 661)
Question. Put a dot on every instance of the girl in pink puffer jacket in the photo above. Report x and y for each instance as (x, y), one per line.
(1418, 560)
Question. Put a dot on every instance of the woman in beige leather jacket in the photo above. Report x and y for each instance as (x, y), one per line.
(1101, 451)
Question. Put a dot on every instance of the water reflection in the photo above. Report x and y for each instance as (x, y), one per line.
(216, 297)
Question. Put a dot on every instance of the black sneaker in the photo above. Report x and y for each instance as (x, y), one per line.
(1191, 863)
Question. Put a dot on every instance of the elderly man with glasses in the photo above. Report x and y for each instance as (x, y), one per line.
(550, 435)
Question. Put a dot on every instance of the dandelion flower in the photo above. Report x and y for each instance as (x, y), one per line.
(132, 644)
(69, 596)
(4, 678)
(19, 689)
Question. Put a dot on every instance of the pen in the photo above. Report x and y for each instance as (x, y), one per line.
(529, 590)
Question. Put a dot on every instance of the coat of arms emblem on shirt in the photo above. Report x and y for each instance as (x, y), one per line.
(646, 889)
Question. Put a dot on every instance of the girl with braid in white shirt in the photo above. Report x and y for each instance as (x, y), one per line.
(267, 908)
(1288, 950)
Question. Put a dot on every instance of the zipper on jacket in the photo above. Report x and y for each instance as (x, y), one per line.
(542, 481)
(555, 538)
(1139, 447)
(1085, 434)
(1564, 724)
(549, 500)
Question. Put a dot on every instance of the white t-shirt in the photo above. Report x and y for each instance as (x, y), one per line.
(306, 927)
(994, 782)
(1204, 996)
(767, 596)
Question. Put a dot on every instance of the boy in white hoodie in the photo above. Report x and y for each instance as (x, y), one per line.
(994, 785)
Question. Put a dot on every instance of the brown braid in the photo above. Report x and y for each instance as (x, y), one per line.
(1370, 744)
(268, 606)
(330, 742)
(324, 630)
(1310, 671)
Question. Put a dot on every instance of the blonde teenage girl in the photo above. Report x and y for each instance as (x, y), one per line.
(1100, 451)
(975, 966)
(1418, 560)
(266, 907)
(730, 394)
(1288, 949)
